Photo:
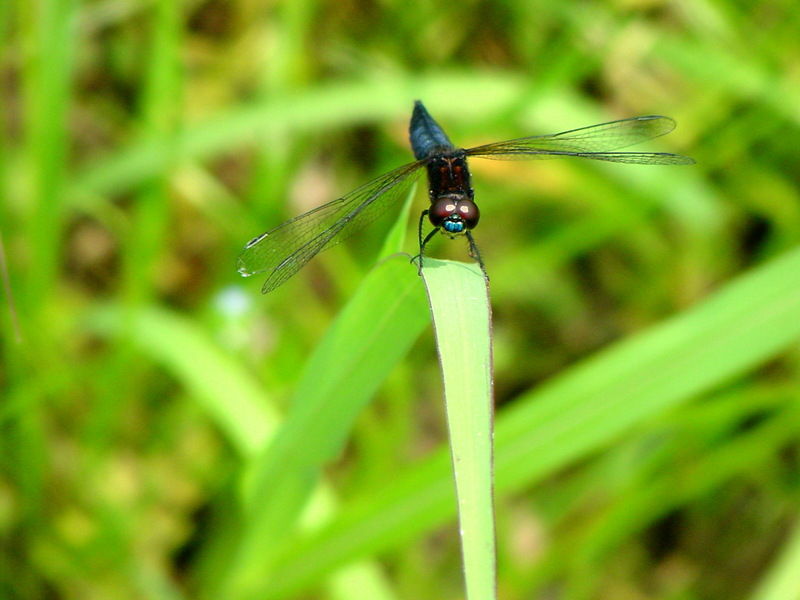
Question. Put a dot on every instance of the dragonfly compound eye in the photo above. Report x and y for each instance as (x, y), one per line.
(443, 208)
(454, 216)
(469, 213)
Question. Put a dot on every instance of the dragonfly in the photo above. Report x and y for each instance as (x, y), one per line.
(283, 251)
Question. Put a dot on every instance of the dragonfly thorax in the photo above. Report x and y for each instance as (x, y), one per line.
(454, 214)
(448, 175)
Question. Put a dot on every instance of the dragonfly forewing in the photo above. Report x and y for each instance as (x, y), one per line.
(596, 142)
(283, 251)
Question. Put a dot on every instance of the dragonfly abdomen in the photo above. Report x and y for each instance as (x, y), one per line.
(427, 137)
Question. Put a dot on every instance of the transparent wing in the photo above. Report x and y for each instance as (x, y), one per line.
(597, 142)
(283, 251)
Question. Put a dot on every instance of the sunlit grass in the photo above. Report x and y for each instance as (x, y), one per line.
(644, 318)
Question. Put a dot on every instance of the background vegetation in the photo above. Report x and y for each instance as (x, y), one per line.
(143, 143)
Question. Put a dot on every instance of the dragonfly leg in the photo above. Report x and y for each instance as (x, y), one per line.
(423, 244)
(419, 229)
(422, 241)
(475, 253)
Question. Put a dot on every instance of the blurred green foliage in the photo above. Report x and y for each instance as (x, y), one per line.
(645, 449)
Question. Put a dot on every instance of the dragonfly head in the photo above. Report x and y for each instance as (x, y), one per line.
(454, 215)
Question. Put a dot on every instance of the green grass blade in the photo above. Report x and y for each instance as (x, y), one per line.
(161, 115)
(746, 323)
(227, 392)
(459, 301)
(782, 582)
(370, 336)
(396, 237)
(736, 329)
(48, 98)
